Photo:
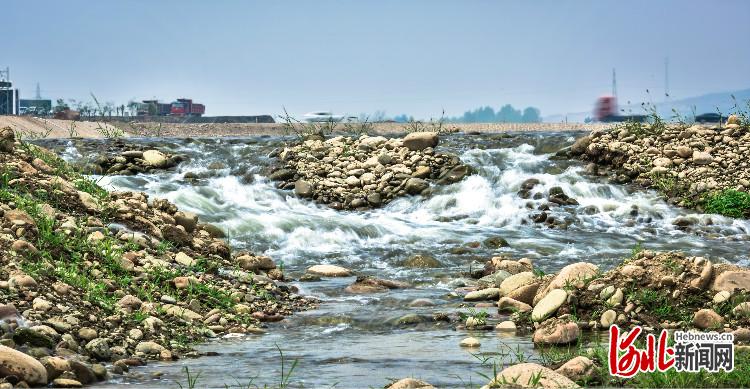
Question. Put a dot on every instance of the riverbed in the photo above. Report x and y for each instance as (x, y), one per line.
(356, 341)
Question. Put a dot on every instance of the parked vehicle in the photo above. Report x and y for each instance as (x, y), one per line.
(322, 116)
(709, 118)
(186, 107)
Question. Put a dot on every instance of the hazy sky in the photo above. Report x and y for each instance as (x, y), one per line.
(417, 57)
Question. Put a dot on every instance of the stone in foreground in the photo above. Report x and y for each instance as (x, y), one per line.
(531, 375)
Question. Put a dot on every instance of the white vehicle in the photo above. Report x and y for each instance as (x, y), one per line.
(322, 116)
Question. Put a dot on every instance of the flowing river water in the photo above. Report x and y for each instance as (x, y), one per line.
(359, 341)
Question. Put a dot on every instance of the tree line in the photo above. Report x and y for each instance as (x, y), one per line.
(487, 114)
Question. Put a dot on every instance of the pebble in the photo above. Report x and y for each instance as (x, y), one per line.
(470, 342)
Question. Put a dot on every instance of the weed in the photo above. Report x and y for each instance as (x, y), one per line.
(729, 202)
(479, 316)
(192, 380)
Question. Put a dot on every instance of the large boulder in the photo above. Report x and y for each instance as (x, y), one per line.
(556, 331)
(25, 367)
(732, 280)
(7, 140)
(416, 185)
(420, 140)
(516, 281)
(155, 158)
(255, 263)
(531, 375)
(577, 368)
(549, 304)
(574, 275)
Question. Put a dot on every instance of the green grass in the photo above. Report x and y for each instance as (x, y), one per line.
(729, 202)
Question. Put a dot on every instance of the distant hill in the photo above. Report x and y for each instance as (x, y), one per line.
(702, 104)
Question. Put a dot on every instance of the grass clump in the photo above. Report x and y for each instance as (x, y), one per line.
(729, 202)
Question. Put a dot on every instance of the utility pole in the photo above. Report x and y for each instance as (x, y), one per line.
(614, 83)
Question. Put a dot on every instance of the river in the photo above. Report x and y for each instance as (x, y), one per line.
(364, 340)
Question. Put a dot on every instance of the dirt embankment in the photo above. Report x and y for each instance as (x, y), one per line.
(53, 128)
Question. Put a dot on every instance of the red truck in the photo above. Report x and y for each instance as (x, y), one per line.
(606, 111)
(186, 107)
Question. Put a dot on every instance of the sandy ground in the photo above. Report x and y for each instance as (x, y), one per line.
(54, 128)
(31, 127)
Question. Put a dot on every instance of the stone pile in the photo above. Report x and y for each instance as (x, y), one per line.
(690, 162)
(371, 171)
(130, 162)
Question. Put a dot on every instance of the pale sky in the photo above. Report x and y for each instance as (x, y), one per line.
(415, 57)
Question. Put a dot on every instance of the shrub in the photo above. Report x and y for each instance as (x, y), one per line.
(729, 202)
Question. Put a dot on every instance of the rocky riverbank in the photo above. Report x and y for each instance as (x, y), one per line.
(697, 166)
(93, 283)
(653, 290)
(666, 290)
(349, 173)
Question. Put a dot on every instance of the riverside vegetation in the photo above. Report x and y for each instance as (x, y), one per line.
(91, 277)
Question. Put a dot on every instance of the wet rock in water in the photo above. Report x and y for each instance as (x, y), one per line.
(506, 326)
(510, 266)
(454, 175)
(23, 366)
(483, 294)
(329, 271)
(707, 319)
(494, 279)
(366, 284)
(495, 242)
(55, 366)
(410, 383)
(149, 348)
(556, 331)
(421, 261)
(83, 372)
(422, 302)
(32, 338)
(578, 368)
(470, 342)
(549, 304)
(303, 188)
(531, 375)
(416, 186)
(417, 141)
(66, 383)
